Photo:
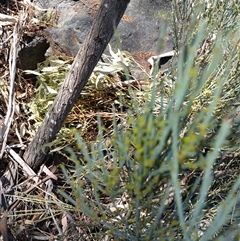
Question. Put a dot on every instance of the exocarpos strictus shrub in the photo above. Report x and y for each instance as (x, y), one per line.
(169, 170)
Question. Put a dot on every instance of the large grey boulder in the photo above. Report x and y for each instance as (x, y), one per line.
(138, 30)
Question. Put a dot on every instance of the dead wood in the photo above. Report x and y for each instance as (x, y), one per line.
(103, 27)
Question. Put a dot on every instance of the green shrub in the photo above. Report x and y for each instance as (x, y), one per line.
(170, 169)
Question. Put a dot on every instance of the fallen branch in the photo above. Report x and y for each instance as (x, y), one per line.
(103, 27)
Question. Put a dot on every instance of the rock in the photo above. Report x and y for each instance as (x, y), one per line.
(32, 53)
(140, 27)
(138, 31)
(69, 37)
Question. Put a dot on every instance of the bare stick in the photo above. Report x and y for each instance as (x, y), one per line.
(103, 27)
(11, 101)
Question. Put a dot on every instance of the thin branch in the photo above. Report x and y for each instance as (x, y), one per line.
(11, 100)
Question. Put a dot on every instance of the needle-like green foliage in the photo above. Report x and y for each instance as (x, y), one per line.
(169, 168)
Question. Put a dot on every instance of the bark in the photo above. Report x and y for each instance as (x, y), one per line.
(103, 27)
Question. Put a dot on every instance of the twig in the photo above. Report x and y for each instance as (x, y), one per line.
(16, 202)
(11, 101)
(49, 188)
(23, 164)
(90, 7)
(19, 136)
(33, 5)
